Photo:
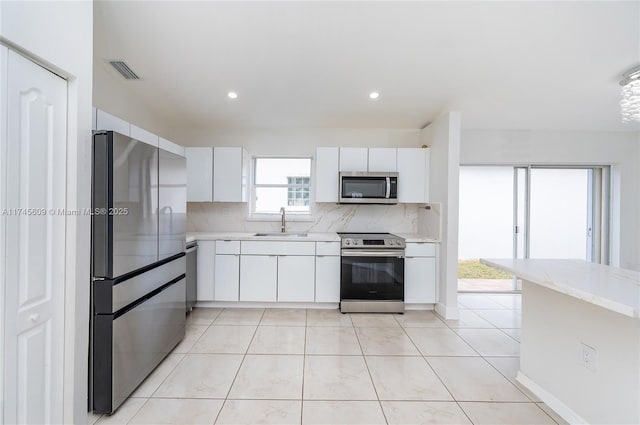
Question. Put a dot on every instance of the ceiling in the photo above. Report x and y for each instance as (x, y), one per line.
(503, 65)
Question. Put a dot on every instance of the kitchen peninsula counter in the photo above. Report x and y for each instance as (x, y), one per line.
(580, 346)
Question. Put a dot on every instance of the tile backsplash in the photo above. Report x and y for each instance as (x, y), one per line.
(235, 217)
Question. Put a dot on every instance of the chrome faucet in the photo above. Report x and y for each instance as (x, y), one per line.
(283, 224)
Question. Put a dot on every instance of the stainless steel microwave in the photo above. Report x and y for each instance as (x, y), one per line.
(357, 187)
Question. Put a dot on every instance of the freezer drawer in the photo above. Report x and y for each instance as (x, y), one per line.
(130, 344)
(112, 295)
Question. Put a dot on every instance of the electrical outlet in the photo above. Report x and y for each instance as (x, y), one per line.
(589, 356)
(226, 212)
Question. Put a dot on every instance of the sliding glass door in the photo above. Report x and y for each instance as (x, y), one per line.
(529, 212)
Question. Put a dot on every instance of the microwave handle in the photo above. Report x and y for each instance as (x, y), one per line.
(388, 187)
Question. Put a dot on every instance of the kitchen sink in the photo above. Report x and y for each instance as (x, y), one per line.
(291, 235)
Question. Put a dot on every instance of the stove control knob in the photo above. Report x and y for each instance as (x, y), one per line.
(398, 242)
(348, 242)
(355, 242)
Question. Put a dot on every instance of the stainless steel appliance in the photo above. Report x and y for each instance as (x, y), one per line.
(368, 188)
(372, 273)
(192, 274)
(138, 263)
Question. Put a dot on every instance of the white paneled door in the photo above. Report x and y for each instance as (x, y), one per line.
(32, 196)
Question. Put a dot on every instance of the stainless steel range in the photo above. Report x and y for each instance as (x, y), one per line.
(371, 273)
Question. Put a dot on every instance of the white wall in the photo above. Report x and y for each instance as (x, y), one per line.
(64, 42)
(443, 137)
(294, 142)
(550, 357)
(620, 150)
(113, 94)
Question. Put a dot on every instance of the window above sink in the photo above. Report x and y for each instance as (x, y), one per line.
(281, 182)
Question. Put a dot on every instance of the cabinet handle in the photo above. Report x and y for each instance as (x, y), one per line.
(320, 256)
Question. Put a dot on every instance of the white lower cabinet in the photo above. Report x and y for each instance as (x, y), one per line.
(258, 277)
(206, 255)
(296, 278)
(328, 279)
(420, 280)
(227, 277)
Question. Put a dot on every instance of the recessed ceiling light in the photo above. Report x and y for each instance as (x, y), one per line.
(374, 95)
(232, 95)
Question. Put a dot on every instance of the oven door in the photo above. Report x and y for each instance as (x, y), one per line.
(372, 276)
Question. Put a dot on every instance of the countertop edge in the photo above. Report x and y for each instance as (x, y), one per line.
(574, 292)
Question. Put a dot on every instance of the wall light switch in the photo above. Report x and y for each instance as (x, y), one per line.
(226, 212)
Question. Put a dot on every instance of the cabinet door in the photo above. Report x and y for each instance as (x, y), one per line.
(227, 278)
(199, 174)
(413, 175)
(227, 174)
(326, 181)
(382, 159)
(258, 277)
(327, 279)
(206, 259)
(420, 280)
(296, 278)
(353, 159)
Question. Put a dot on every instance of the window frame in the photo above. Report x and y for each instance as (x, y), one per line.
(275, 216)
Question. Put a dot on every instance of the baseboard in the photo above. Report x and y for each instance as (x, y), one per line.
(448, 312)
(310, 305)
(249, 304)
(550, 400)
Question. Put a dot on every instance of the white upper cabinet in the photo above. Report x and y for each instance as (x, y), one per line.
(230, 174)
(353, 159)
(382, 159)
(326, 181)
(105, 121)
(143, 135)
(199, 174)
(413, 177)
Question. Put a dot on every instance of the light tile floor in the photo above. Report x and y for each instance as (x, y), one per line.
(281, 366)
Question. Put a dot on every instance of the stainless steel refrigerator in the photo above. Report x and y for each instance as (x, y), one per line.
(138, 263)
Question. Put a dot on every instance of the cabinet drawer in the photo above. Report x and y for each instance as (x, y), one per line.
(227, 247)
(420, 249)
(327, 248)
(278, 248)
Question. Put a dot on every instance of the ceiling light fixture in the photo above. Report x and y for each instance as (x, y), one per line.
(630, 103)
(232, 95)
(374, 95)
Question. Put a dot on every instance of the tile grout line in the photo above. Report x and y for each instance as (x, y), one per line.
(184, 355)
(304, 364)
(435, 373)
(366, 364)
(137, 411)
(240, 366)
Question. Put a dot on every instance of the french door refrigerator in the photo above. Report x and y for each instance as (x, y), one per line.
(138, 263)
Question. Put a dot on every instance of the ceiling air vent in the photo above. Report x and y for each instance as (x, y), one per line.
(124, 70)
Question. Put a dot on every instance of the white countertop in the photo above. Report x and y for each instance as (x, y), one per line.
(251, 236)
(612, 288)
(311, 237)
(416, 238)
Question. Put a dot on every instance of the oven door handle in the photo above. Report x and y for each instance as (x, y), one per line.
(361, 253)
